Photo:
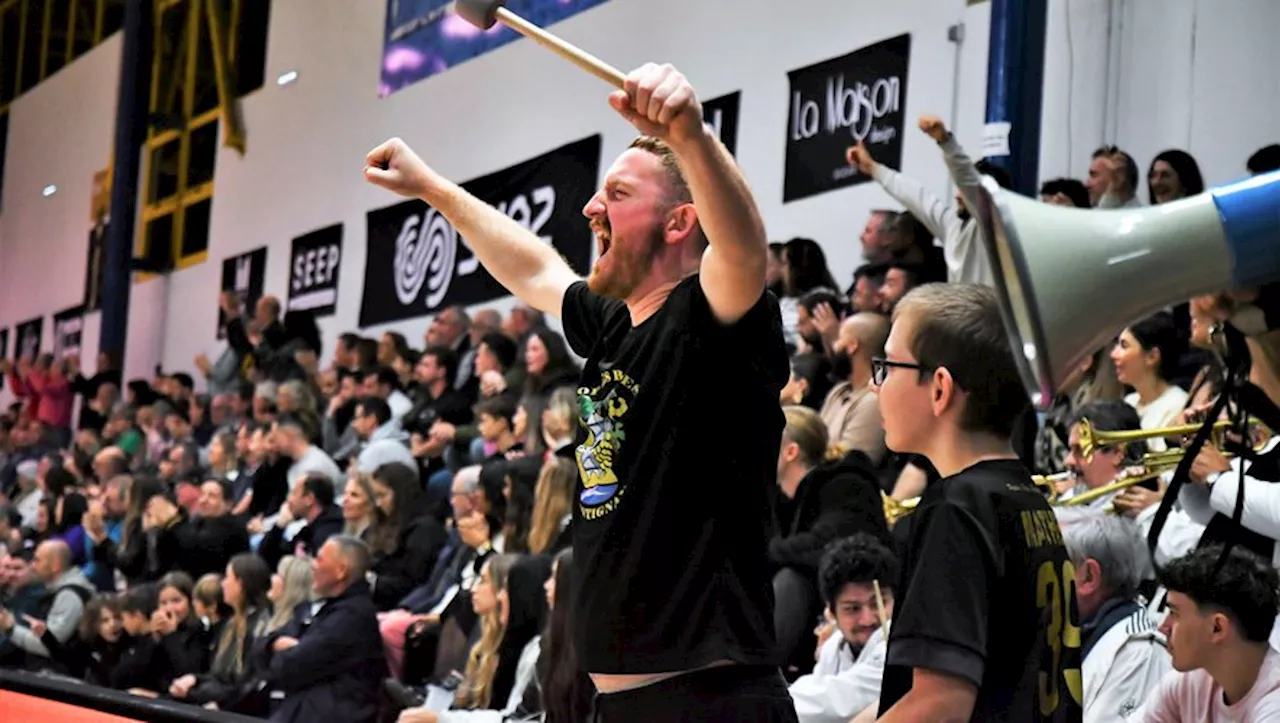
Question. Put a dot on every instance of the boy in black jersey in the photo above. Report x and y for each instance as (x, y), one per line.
(679, 407)
(985, 626)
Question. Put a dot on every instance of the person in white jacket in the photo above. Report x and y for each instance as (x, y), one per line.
(1124, 654)
(950, 223)
(846, 679)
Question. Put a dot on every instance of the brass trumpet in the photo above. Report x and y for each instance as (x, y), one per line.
(1153, 464)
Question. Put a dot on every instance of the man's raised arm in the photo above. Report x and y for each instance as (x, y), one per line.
(660, 102)
(520, 261)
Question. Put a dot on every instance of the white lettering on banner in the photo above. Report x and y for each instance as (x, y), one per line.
(244, 270)
(315, 267)
(427, 247)
(717, 122)
(856, 107)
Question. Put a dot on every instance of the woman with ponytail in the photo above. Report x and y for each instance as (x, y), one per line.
(822, 495)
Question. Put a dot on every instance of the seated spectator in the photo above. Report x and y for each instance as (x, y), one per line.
(60, 609)
(291, 586)
(184, 639)
(97, 648)
(494, 422)
(852, 408)
(408, 541)
(292, 438)
(328, 660)
(1124, 655)
(846, 679)
(1220, 618)
(519, 478)
(230, 681)
(382, 439)
(817, 501)
(549, 526)
(310, 502)
(142, 666)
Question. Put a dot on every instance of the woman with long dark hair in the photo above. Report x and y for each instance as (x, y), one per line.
(407, 541)
(229, 682)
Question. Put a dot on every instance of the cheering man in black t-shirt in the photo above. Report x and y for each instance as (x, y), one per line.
(679, 405)
(985, 626)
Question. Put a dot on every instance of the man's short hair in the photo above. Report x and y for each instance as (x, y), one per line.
(446, 358)
(319, 485)
(356, 553)
(502, 347)
(680, 192)
(377, 406)
(1112, 415)
(679, 185)
(816, 297)
(1069, 187)
(385, 374)
(1130, 166)
(502, 406)
(1117, 546)
(1246, 588)
(293, 421)
(858, 559)
(959, 327)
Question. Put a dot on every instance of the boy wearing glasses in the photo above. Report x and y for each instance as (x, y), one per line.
(985, 626)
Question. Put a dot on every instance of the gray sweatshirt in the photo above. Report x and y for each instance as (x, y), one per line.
(63, 618)
(960, 240)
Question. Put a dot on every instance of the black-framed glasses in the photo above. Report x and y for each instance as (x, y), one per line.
(880, 368)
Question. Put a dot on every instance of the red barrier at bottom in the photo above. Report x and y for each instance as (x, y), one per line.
(18, 707)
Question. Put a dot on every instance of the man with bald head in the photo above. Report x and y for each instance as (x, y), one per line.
(852, 408)
(60, 609)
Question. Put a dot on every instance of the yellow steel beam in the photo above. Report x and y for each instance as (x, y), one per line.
(71, 32)
(22, 46)
(223, 70)
(44, 40)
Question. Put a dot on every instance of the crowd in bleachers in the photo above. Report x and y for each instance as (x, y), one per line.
(365, 529)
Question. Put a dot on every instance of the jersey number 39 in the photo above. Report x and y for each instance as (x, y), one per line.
(1058, 594)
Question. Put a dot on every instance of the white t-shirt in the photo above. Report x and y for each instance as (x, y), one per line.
(1160, 412)
(1195, 698)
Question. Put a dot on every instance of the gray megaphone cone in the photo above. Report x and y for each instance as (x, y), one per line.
(1070, 279)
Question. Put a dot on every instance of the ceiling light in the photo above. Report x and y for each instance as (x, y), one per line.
(287, 78)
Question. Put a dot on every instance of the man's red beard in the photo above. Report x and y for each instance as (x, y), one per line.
(620, 268)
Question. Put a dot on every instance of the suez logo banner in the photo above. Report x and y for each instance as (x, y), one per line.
(418, 264)
(313, 271)
(838, 103)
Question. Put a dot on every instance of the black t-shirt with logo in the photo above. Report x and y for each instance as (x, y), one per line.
(987, 593)
(671, 514)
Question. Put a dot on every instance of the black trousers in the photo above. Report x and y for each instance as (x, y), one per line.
(755, 694)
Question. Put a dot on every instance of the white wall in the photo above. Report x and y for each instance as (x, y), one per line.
(1123, 71)
(60, 133)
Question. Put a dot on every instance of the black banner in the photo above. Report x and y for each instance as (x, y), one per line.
(27, 335)
(418, 264)
(722, 115)
(94, 268)
(313, 271)
(68, 327)
(837, 103)
(243, 274)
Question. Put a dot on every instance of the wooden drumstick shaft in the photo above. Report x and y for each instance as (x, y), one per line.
(568, 51)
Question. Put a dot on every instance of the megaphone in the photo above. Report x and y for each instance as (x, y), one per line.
(1070, 279)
